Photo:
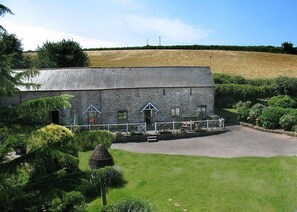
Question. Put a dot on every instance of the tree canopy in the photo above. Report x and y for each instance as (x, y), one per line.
(66, 53)
(3, 11)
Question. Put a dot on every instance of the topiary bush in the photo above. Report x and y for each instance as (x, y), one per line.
(131, 205)
(270, 117)
(284, 101)
(255, 111)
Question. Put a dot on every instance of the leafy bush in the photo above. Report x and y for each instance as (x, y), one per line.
(282, 101)
(288, 121)
(243, 109)
(255, 111)
(286, 85)
(56, 132)
(131, 205)
(270, 117)
(88, 140)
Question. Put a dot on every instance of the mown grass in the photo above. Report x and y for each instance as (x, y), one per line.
(246, 64)
(192, 183)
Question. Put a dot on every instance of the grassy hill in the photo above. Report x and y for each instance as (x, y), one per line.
(246, 64)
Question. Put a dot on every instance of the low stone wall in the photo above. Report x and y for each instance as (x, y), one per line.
(167, 136)
(281, 131)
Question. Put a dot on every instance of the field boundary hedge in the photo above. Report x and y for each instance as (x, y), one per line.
(270, 49)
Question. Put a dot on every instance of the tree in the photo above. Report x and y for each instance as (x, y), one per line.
(47, 176)
(12, 47)
(11, 80)
(288, 48)
(3, 11)
(66, 53)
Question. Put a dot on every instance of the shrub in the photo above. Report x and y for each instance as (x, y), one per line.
(131, 205)
(286, 85)
(56, 132)
(255, 111)
(88, 140)
(284, 101)
(288, 121)
(270, 117)
(243, 109)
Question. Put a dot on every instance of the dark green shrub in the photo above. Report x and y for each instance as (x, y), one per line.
(283, 101)
(255, 111)
(286, 85)
(243, 109)
(294, 128)
(270, 117)
(88, 140)
(288, 121)
(129, 205)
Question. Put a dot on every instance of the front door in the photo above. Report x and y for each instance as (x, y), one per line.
(149, 116)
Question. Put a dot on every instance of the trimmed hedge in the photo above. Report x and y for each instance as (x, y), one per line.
(229, 94)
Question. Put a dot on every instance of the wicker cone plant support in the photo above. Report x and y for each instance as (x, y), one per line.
(99, 159)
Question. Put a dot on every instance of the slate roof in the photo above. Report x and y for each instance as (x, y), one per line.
(70, 79)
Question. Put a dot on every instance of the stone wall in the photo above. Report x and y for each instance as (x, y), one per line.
(109, 102)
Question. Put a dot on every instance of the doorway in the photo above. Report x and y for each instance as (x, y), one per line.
(55, 117)
(149, 116)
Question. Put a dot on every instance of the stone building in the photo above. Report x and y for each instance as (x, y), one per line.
(126, 95)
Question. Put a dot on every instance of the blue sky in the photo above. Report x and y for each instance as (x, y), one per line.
(109, 23)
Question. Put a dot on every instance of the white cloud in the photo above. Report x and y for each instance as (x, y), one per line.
(173, 30)
(33, 36)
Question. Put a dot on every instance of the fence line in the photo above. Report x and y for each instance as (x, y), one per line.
(157, 126)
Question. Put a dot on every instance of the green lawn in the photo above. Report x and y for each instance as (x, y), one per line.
(205, 184)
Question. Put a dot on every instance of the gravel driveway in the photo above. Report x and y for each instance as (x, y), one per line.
(239, 142)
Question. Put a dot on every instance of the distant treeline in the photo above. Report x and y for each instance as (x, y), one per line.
(271, 49)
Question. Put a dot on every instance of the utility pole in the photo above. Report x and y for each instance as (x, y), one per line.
(159, 40)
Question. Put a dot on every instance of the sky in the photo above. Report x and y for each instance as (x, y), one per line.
(121, 23)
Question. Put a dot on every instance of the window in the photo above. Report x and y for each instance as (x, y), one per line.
(92, 118)
(175, 112)
(122, 115)
(190, 91)
(201, 109)
(92, 114)
(164, 92)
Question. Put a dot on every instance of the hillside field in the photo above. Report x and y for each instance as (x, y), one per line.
(246, 64)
